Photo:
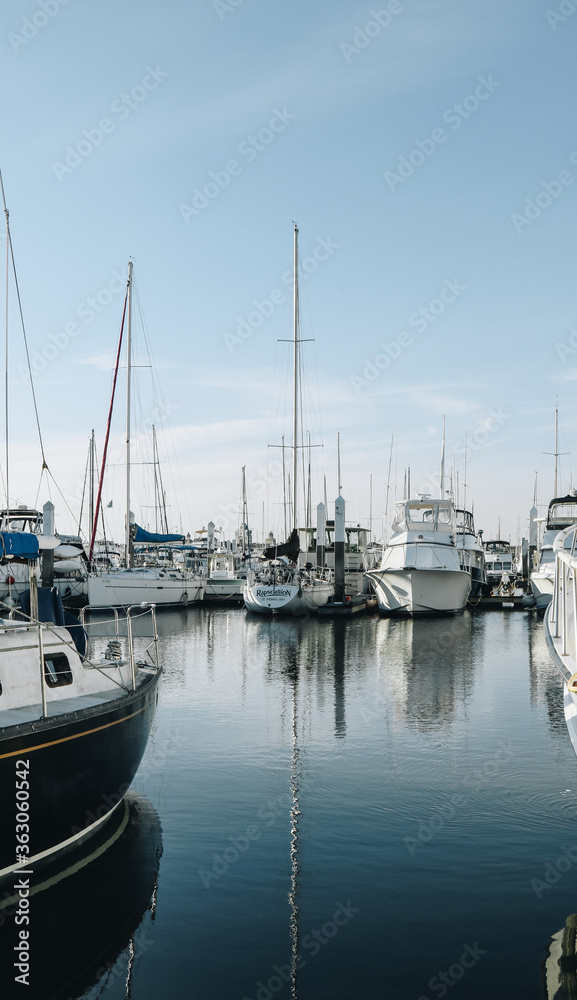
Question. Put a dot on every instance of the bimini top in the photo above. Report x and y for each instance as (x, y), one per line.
(424, 515)
(562, 512)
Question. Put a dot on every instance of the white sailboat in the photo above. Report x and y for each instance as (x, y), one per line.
(284, 588)
(140, 584)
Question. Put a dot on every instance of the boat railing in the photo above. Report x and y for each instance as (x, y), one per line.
(138, 644)
(563, 609)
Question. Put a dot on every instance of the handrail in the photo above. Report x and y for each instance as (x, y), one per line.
(565, 588)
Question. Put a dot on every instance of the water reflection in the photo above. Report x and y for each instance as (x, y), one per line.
(88, 913)
(545, 683)
(560, 966)
(428, 666)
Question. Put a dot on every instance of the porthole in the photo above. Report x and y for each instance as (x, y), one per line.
(57, 670)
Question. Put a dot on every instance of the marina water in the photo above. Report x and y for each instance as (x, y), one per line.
(349, 810)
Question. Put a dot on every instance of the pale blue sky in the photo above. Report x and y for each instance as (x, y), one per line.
(202, 79)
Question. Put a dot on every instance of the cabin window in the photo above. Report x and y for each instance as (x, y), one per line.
(497, 565)
(57, 670)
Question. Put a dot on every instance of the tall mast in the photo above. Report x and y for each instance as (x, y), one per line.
(128, 558)
(371, 507)
(6, 411)
(91, 483)
(244, 512)
(295, 378)
(443, 463)
(556, 453)
(339, 484)
(284, 487)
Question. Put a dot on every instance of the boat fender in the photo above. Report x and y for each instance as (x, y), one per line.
(10, 580)
(184, 599)
(572, 683)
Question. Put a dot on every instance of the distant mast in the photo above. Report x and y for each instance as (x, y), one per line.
(443, 463)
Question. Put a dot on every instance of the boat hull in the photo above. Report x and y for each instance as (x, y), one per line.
(80, 765)
(542, 588)
(119, 590)
(421, 592)
(288, 599)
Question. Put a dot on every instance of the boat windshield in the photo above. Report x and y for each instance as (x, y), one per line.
(562, 514)
(429, 515)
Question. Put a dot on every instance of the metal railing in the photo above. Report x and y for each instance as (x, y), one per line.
(133, 612)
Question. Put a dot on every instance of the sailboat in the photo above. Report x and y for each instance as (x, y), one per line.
(284, 587)
(136, 584)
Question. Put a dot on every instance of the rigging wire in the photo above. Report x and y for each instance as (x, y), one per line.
(17, 286)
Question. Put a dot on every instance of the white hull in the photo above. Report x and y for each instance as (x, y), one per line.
(286, 598)
(122, 589)
(542, 588)
(420, 592)
(222, 590)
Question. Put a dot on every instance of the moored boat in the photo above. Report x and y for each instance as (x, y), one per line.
(560, 623)
(421, 572)
(74, 722)
(561, 514)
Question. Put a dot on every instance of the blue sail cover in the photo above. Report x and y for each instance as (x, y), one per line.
(20, 544)
(149, 536)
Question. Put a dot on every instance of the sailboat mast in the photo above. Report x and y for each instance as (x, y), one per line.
(91, 482)
(6, 411)
(295, 379)
(556, 449)
(443, 463)
(128, 558)
(244, 512)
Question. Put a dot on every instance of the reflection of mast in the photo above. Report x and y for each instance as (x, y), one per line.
(340, 628)
(294, 821)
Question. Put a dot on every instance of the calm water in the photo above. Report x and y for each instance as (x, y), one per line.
(341, 810)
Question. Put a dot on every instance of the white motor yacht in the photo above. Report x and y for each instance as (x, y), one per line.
(471, 551)
(562, 513)
(421, 571)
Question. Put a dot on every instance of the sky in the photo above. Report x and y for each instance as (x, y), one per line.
(427, 150)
